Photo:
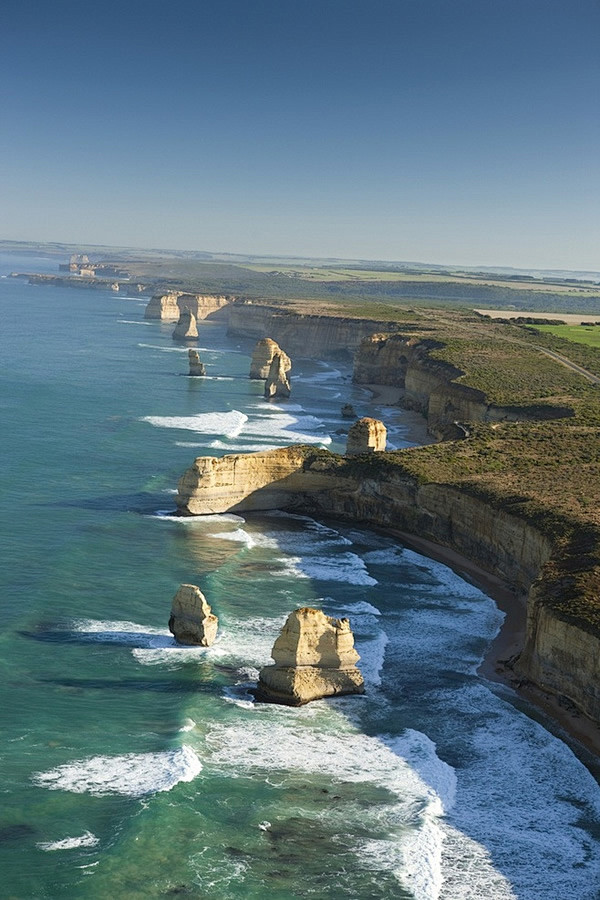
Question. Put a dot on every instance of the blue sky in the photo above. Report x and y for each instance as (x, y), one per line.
(451, 131)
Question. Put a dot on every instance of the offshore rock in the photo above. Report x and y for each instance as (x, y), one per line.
(348, 411)
(366, 436)
(277, 384)
(196, 366)
(186, 329)
(314, 657)
(263, 355)
(191, 620)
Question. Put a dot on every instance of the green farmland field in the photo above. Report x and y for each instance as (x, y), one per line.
(581, 334)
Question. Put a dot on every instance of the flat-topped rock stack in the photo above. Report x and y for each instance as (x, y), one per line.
(277, 383)
(192, 620)
(186, 328)
(314, 657)
(263, 355)
(366, 436)
(197, 367)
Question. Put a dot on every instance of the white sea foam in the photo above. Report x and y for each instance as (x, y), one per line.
(391, 556)
(360, 608)
(344, 567)
(167, 516)
(227, 423)
(244, 537)
(131, 775)
(165, 349)
(422, 785)
(71, 843)
(372, 655)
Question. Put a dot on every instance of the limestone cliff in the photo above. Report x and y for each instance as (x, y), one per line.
(302, 335)
(167, 306)
(263, 355)
(430, 385)
(560, 655)
(314, 657)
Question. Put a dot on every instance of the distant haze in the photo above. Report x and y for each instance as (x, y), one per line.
(457, 131)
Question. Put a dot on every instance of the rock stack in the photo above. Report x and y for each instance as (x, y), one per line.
(314, 657)
(277, 384)
(192, 620)
(348, 411)
(366, 436)
(186, 329)
(264, 353)
(196, 366)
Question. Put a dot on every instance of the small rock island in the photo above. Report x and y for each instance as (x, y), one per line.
(314, 657)
(192, 621)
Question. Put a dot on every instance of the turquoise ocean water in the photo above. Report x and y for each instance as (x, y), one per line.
(133, 768)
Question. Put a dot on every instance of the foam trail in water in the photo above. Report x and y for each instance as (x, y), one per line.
(84, 840)
(131, 775)
(345, 567)
(325, 744)
(227, 423)
(167, 516)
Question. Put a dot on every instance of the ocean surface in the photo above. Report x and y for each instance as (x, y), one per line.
(134, 768)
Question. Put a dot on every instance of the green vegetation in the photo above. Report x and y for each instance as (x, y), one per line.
(580, 334)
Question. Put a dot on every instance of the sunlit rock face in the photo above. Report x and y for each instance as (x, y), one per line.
(277, 383)
(192, 620)
(314, 658)
(186, 328)
(366, 436)
(263, 355)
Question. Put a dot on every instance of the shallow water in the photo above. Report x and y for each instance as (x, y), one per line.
(132, 767)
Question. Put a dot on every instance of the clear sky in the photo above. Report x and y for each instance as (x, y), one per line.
(451, 131)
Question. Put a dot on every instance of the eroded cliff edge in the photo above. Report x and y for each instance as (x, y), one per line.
(537, 558)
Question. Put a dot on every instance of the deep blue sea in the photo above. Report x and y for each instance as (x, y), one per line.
(133, 768)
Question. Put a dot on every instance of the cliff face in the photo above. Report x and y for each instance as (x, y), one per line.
(302, 335)
(558, 656)
(429, 384)
(169, 305)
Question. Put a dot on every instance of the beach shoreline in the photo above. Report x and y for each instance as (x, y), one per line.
(508, 643)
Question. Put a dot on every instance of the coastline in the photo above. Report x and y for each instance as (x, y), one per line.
(580, 732)
(572, 724)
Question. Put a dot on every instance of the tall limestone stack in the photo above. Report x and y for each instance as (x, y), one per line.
(366, 436)
(186, 329)
(314, 657)
(192, 620)
(277, 384)
(264, 353)
(163, 307)
(196, 366)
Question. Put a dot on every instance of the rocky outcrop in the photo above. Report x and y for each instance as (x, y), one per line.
(314, 657)
(303, 335)
(263, 355)
(168, 305)
(186, 328)
(197, 367)
(348, 411)
(277, 383)
(192, 620)
(366, 436)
